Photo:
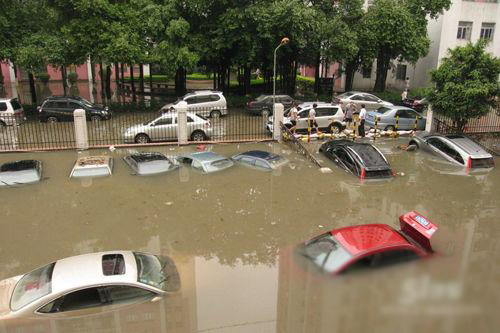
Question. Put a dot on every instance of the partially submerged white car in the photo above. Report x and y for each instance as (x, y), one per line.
(145, 164)
(76, 285)
(20, 172)
(92, 166)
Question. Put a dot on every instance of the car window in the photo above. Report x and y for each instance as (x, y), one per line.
(49, 104)
(357, 98)
(32, 286)
(383, 110)
(77, 300)
(327, 253)
(3, 106)
(73, 105)
(345, 158)
(157, 271)
(370, 98)
(191, 100)
(262, 164)
(15, 104)
(203, 99)
(304, 114)
(405, 114)
(440, 145)
(197, 165)
(163, 121)
(214, 97)
(324, 112)
(60, 105)
(125, 294)
(189, 119)
(247, 160)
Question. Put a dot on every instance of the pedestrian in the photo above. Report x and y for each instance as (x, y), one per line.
(404, 95)
(294, 116)
(362, 116)
(349, 111)
(257, 73)
(312, 118)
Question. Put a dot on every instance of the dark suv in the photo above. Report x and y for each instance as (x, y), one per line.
(264, 104)
(59, 108)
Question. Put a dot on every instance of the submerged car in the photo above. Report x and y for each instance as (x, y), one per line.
(391, 116)
(150, 163)
(455, 149)
(20, 172)
(206, 162)
(164, 128)
(74, 285)
(361, 159)
(260, 159)
(92, 166)
(371, 245)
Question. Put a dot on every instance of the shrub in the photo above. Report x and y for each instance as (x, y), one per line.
(44, 77)
(72, 77)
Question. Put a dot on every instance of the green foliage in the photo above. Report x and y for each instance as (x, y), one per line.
(466, 84)
(43, 77)
(72, 77)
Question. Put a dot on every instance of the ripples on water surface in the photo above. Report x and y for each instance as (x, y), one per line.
(231, 235)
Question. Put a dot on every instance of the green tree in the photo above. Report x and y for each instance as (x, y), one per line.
(466, 84)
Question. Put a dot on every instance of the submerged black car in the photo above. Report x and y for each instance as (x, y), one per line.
(361, 159)
(61, 108)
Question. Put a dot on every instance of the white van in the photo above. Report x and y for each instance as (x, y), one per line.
(206, 103)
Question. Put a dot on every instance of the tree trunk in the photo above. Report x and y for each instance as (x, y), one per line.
(117, 73)
(247, 76)
(150, 79)
(64, 80)
(132, 81)
(316, 74)
(180, 82)
(141, 75)
(382, 68)
(108, 81)
(123, 73)
(350, 70)
(92, 70)
(32, 89)
(101, 78)
(215, 80)
(228, 77)
(1, 76)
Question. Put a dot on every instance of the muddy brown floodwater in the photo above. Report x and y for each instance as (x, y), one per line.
(231, 234)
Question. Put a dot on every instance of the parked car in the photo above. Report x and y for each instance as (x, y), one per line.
(455, 149)
(370, 101)
(92, 166)
(387, 118)
(164, 128)
(370, 246)
(263, 105)
(11, 112)
(260, 159)
(328, 116)
(206, 162)
(207, 103)
(144, 164)
(361, 159)
(61, 108)
(419, 105)
(20, 172)
(76, 285)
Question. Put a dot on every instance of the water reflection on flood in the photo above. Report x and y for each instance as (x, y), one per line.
(231, 236)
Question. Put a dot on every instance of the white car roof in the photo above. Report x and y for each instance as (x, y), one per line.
(87, 163)
(86, 270)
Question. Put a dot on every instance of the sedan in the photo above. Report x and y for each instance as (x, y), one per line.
(371, 102)
(206, 162)
(164, 128)
(145, 164)
(90, 282)
(396, 118)
(370, 246)
(20, 172)
(259, 159)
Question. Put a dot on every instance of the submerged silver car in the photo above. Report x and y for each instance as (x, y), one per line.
(456, 149)
(206, 162)
(259, 159)
(164, 128)
(99, 281)
(145, 164)
(20, 172)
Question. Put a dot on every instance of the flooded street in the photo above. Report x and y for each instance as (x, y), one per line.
(231, 236)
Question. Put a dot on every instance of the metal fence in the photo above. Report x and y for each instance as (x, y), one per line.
(489, 123)
(17, 134)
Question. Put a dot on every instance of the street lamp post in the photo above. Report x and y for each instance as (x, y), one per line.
(284, 41)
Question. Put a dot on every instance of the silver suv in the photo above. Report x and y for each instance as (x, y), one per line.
(11, 112)
(207, 103)
(455, 149)
(164, 128)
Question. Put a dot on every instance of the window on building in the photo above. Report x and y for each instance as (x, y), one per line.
(487, 30)
(401, 72)
(367, 72)
(464, 30)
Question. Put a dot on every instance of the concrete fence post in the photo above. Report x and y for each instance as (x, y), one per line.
(277, 119)
(428, 120)
(182, 135)
(81, 133)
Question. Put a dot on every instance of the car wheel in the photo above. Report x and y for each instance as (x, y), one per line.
(215, 114)
(334, 128)
(265, 113)
(198, 136)
(95, 118)
(52, 120)
(390, 128)
(142, 138)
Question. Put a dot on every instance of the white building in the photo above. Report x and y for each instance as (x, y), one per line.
(466, 20)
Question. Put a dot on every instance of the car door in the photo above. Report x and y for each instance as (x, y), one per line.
(405, 120)
(60, 110)
(344, 160)
(441, 148)
(302, 120)
(324, 116)
(163, 128)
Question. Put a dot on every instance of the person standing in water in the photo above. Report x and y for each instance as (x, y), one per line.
(294, 116)
(362, 116)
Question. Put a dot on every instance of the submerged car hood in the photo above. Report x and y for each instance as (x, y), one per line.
(6, 288)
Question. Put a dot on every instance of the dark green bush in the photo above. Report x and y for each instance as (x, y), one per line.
(43, 77)
(72, 77)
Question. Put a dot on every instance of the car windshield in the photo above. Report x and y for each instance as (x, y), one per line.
(157, 271)
(32, 286)
(383, 110)
(327, 253)
(15, 104)
(219, 165)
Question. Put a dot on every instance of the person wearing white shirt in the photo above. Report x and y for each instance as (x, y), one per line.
(362, 116)
(312, 118)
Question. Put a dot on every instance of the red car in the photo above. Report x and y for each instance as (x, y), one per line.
(371, 245)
